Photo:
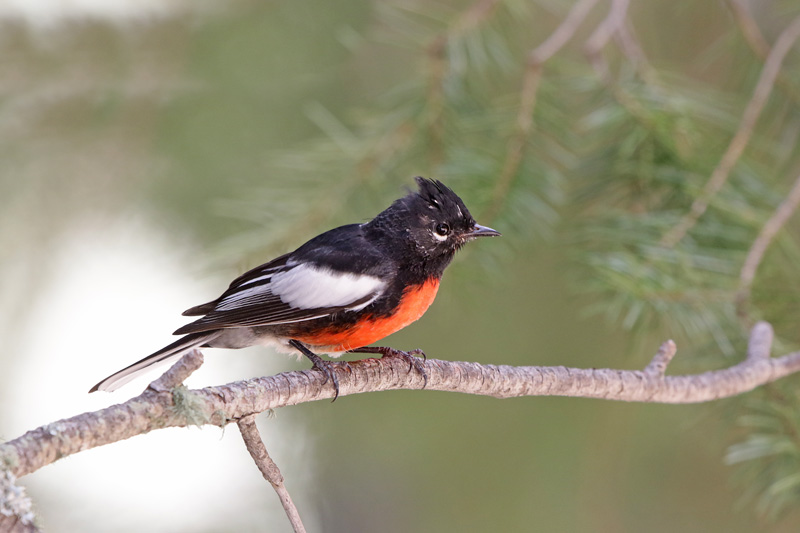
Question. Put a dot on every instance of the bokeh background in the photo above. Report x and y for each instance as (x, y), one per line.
(151, 151)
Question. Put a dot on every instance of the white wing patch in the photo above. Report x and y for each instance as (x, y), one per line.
(255, 280)
(306, 287)
(267, 273)
(237, 299)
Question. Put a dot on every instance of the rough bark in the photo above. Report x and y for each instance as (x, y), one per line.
(157, 408)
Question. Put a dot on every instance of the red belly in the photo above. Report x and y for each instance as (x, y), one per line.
(413, 304)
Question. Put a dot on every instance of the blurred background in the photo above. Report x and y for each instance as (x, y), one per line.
(151, 151)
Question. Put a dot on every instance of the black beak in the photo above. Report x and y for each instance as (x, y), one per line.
(482, 231)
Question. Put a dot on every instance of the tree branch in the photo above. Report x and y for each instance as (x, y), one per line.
(756, 41)
(735, 149)
(222, 404)
(611, 25)
(268, 468)
(614, 25)
(633, 51)
(762, 242)
(527, 102)
(472, 18)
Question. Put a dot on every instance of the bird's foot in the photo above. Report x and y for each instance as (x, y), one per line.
(412, 358)
(321, 365)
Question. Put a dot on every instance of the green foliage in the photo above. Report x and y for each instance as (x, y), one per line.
(641, 176)
(295, 117)
(609, 167)
(769, 453)
(454, 124)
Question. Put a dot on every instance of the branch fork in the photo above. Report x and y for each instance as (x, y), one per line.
(241, 401)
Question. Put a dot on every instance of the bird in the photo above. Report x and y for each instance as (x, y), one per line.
(341, 291)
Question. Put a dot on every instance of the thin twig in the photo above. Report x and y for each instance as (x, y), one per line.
(268, 468)
(614, 21)
(749, 28)
(615, 25)
(527, 102)
(222, 404)
(755, 39)
(760, 344)
(178, 372)
(742, 137)
(762, 242)
(466, 22)
(658, 366)
(630, 46)
(563, 33)
(437, 73)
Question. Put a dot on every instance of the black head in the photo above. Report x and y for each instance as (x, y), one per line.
(431, 223)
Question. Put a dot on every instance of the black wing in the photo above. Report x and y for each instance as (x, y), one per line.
(334, 272)
(253, 273)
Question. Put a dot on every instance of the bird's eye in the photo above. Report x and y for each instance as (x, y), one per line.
(442, 229)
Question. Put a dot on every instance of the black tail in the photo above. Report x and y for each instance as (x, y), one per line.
(162, 356)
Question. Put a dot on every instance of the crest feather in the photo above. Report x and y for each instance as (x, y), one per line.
(438, 194)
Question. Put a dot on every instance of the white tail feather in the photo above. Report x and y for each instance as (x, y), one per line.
(165, 355)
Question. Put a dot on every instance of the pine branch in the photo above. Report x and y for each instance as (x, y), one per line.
(634, 53)
(610, 26)
(468, 21)
(756, 41)
(762, 242)
(740, 140)
(613, 25)
(527, 102)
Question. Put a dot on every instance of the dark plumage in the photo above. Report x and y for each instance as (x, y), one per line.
(341, 290)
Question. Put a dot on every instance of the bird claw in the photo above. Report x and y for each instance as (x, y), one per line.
(418, 353)
(319, 364)
(326, 367)
(412, 360)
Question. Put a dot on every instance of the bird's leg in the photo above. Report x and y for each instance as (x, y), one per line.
(319, 364)
(410, 357)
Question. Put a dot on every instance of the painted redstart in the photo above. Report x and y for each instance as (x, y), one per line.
(342, 290)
